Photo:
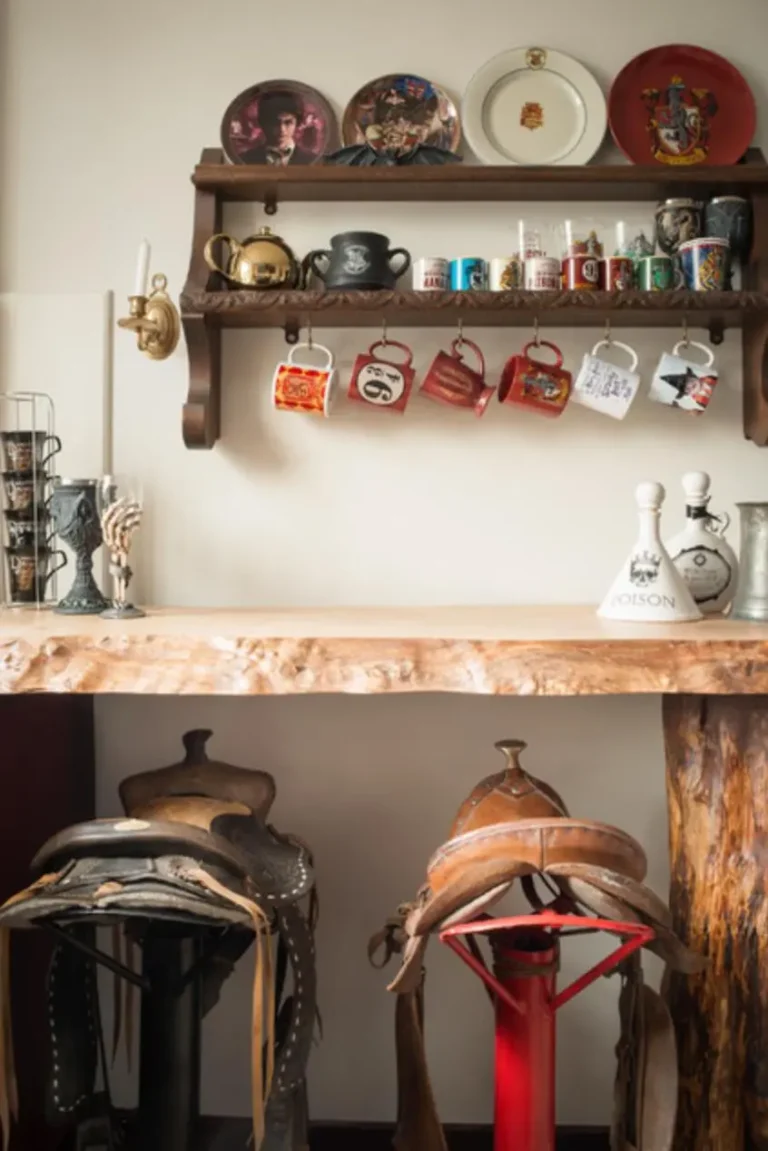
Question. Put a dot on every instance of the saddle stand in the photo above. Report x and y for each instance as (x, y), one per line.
(526, 951)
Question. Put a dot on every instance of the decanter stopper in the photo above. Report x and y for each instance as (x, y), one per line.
(696, 488)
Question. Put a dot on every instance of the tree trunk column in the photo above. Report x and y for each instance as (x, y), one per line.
(717, 793)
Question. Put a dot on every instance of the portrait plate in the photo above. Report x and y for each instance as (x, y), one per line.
(398, 112)
(279, 122)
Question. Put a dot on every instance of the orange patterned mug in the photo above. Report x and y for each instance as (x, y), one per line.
(304, 387)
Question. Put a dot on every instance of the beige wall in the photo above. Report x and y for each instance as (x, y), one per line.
(105, 107)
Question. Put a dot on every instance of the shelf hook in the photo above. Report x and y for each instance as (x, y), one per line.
(384, 332)
(536, 340)
(686, 336)
(461, 332)
(309, 335)
(607, 337)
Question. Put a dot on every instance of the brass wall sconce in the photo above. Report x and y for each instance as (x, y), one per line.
(155, 319)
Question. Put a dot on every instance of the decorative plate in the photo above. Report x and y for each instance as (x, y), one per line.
(681, 105)
(279, 122)
(395, 113)
(534, 106)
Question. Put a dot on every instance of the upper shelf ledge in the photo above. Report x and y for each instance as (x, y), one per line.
(553, 651)
(456, 182)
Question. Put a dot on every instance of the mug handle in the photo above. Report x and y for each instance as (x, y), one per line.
(406, 261)
(209, 257)
(58, 568)
(545, 344)
(695, 344)
(311, 261)
(312, 348)
(463, 342)
(618, 344)
(56, 448)
(392, 344)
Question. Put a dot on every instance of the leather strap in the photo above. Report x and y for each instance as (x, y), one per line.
(418, 1127)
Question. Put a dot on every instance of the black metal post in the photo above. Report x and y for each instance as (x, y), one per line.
(169, 1076)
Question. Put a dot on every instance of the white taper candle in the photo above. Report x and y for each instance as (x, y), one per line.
(142, 270)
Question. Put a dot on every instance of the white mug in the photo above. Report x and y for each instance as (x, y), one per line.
(432, 274)
(683, 383)
(604, 387)
(542, 274)
(506, 273)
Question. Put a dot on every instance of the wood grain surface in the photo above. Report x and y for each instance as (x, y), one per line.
(717, 787)
(554, 651)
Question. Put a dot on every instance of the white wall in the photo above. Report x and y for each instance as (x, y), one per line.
(105, 108)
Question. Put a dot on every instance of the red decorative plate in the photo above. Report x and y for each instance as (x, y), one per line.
(680, 105)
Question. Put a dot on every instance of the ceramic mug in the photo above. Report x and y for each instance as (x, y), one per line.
(529, 383)
(379, 382)
(731, 218)
(581, 273)
(469, 274)
(618, 273)
(431, 274)
(506, 273)
(450, 381)
(542, 274)
(24, 493)
(705, 264)
(677, 221)
(682, 383)
(304, 387)
(25, 451)
(359, 260)
(604, 387)
(655, 274)
(26, 531)
(29, 570)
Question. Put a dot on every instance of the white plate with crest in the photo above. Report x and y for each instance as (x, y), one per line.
(534, 106)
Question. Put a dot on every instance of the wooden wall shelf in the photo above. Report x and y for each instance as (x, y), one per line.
(207, 308)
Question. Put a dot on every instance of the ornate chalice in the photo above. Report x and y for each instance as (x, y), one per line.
(75, 512)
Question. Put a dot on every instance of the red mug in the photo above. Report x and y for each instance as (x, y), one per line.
(529, 383)
(581, 273)
(379, 382)
(451, 381)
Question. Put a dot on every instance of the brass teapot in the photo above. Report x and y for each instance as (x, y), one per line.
(261, 261)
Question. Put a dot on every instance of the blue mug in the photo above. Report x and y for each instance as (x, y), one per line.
(469, 274)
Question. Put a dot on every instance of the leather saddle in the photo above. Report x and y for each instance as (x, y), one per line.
(513, 827)
(193, 848)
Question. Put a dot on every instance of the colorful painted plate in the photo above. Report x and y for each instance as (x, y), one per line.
(681, 105)
(397, 112)
(279, 122)
(534, 106)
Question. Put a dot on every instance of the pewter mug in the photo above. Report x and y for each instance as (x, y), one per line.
(751, 601)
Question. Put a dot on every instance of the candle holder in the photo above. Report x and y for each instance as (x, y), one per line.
(155, 319)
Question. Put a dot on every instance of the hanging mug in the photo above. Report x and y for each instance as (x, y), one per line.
(450, 381)
(603, 386)
(304, 387)
(380, 382)
(683, 383)
(529, 383)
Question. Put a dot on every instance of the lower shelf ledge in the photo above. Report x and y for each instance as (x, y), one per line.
(545, 651)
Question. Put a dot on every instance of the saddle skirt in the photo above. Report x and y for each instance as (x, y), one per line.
(194, 848)
(511, 827)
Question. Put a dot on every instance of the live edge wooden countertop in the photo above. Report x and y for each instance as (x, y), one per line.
(555, 650)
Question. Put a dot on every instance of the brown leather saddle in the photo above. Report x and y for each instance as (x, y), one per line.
(513, 827)
(193, 847)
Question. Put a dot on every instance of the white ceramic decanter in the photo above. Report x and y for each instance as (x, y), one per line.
(701, 554)
(649, 588)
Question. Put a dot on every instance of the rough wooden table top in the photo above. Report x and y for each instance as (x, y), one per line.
(554, 650)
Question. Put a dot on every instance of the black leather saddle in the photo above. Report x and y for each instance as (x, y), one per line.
(193, 848)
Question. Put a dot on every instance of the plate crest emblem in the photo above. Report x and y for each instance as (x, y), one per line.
(531, 116)
(679, 122)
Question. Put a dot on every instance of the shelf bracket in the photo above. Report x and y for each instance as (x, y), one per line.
(270, 201)
(292, 330)
(716, 332)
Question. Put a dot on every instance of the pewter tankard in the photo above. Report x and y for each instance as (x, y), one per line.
(751, 600)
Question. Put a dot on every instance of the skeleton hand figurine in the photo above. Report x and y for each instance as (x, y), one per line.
(119, 521)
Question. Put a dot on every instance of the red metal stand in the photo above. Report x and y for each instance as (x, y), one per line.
(526, 950)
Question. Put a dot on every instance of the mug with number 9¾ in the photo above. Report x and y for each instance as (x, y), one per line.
(304, 387)
(382, 382)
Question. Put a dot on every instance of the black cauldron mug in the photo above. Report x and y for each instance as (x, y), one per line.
(359, 260)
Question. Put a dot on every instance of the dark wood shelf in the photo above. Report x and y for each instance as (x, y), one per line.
(472, 182)
(354, 309)
(207, 310)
